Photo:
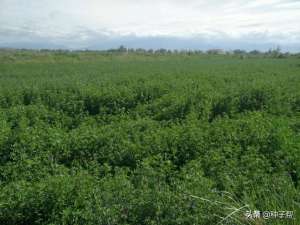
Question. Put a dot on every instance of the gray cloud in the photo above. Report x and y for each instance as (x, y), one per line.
(189, 24)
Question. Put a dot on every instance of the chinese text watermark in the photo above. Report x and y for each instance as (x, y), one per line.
(256, 214)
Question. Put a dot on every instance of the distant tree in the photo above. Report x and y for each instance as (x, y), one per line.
(131, 50)
(198, 52)
(239, 52)
(276, 53)
(150, 51)
(162, 51)
(190, 52)
(122, 49)
(140, 50)
(215, 51)
(255, 52)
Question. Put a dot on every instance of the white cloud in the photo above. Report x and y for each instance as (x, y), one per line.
(277, 20)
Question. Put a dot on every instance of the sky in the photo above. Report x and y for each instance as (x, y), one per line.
(172, 24)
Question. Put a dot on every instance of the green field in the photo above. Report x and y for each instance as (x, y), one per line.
(123, 139)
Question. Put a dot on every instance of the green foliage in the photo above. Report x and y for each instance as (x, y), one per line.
(115, 138)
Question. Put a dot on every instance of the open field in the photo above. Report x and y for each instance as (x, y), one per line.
(90, 138)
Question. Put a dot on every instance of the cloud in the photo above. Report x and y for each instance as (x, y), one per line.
(80, 22)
